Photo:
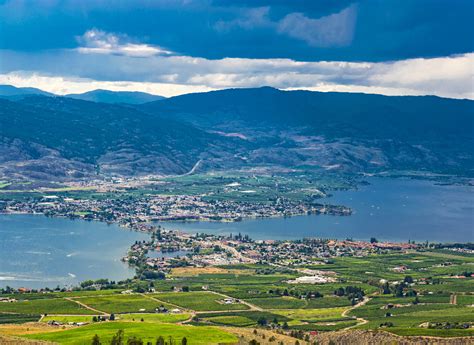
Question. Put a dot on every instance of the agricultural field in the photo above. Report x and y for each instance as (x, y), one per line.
(139, 317)
(9, 318)
(434, 301)
(123, 303)
(199, 301)
(44, 306)
(146, 331)
(233, 185)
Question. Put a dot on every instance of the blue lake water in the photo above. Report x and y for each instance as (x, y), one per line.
(36, 251)
(388, 209)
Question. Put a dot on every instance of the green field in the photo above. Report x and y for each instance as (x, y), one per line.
(122, 303)
(18, 318)
(249, 318)
(231, 320)
(423, 308)
(199, 301)
(146, 317)
(44, 306)
(312, 315)
(146, 331)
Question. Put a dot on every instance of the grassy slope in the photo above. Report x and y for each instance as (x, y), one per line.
(149, 332)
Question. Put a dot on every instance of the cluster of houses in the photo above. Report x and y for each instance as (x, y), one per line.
(148, 208)
(200, 250)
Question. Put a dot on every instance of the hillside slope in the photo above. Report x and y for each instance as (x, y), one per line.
(355, 131)
(56, 138)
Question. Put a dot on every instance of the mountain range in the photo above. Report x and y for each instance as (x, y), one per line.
(48, 138)
(102, 96)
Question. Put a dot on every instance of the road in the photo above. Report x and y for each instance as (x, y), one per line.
(361, 321)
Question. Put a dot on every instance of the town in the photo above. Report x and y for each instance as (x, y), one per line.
(133, 211)
(179, 249)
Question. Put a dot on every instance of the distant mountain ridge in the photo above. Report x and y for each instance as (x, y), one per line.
(100, 96)
(60, 138)
(351, 131)
(12, 92)
(107, 96)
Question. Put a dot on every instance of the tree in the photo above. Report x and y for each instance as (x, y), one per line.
(112, 317)
(373, 240)
(262, 321)
(96, 340)
(118, 338)
(408, 280)
(184, 341)
(160, 341)
(399, 291)
(134, 341)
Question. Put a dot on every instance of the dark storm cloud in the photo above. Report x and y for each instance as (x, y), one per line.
(301, 30)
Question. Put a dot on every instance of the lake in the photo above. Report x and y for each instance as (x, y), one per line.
(37, 251)
(388, 209)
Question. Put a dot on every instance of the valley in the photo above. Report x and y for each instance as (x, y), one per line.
(248, 223)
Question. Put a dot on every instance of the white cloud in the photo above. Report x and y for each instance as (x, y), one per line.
(65, 85)
(249, 19)
(111, 63)
(100, 42)
(334, 30)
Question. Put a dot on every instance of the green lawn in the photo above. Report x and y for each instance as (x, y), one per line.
(147, 331)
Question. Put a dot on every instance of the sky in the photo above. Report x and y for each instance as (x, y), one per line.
(171, 47)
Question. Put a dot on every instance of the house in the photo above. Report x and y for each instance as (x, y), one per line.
(400, 269)
(229, 301)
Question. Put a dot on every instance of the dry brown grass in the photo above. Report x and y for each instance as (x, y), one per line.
(28, 328)
(349, 337)
(8, 340)
(363, 337)
(263, 336)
